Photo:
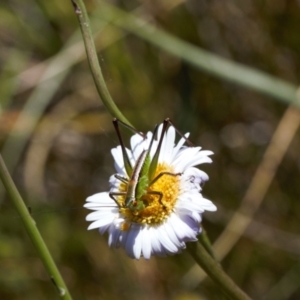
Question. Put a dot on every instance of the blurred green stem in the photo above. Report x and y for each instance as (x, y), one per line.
(205, 241)
(33, 232)
(202, 59)
(215, 271)
(90, 48)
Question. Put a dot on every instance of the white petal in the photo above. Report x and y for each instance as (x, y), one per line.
(146, 243)
(190, 157)
(196, 216)
(138, 144)
(165, 240)
(208, 205)
(130, 243)
(179, 145)
(166, 153)
(183, 231)
(97, 206)
(154, 145)
(196, 175)
(137, 243)
(102, 199)
(191, 223)
(113, 237)
(123, 237)
(118, 158)
(155, 243)
(102, 222)
(99, 214)
(170, 232)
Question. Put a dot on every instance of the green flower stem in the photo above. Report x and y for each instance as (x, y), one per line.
(202, 59)
(215, 271)
(33, 232)
(205, 241)
(90, 48)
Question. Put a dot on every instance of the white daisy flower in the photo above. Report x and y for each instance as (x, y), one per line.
(168, 212)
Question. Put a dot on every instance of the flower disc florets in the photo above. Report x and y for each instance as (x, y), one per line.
(155, 211)
(168, 213)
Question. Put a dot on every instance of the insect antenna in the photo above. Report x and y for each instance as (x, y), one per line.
(179, 132)
(154, 161)
(127, 163)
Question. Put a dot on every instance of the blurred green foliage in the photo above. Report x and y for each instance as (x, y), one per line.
(67, 156)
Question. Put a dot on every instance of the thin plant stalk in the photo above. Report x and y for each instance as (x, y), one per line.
(33, 232)
(215, 271)
(91, 52)
(205, 241)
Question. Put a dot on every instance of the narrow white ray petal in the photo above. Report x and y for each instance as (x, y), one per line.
(206, 152)
(196, 216)
(102, 222)
(137, 243)
(165, 240)
(123, 237)
(102, 200)
(175, 222)
(184, 157)
(208, 205)
(197, 175)
(155, 243)
(137, 145)
(160, 127)
(112, 207)
(113, 237)
(197, 161)
(135, 140)
(117, 155)
(146, 243)
(104, 228)
(190, 223)
(186, 206)
(148, 140)
(99, 214)
(183, 231)
(129, 242)
(179, 145)
(119, 159)
(194, 198)
(99, 198)
(154, 145)
(167, 146)
(171, 234)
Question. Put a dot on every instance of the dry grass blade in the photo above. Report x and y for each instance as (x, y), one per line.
(257, 190)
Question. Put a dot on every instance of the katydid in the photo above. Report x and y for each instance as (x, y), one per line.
(140, 176)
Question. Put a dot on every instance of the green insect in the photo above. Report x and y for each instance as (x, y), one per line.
(140, 176)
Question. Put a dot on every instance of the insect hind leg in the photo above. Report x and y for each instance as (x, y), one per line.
(162, 174)
(160, 195)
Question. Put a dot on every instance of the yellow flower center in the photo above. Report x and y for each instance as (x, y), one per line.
(159, 199)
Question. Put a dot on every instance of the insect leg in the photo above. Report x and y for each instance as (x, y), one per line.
(116, 123)
(113, 194)
(159, 194)
(162, 174)
(122, 178)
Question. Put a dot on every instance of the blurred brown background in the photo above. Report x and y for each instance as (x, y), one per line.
(56, 137)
